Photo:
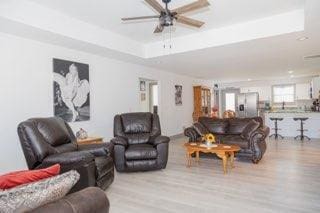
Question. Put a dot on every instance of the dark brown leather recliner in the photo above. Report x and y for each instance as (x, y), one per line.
(229, 131)
(138, 144)
(48, 141)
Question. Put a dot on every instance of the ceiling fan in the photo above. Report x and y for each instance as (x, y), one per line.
(167, 16)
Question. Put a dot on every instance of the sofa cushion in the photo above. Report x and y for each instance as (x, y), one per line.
(14, 179)
(137, 123)
(53, 130)
(200, 129)
(235, 140)
(215, 126)
(237, 125)
(138, 138)
(69, 147)
(25, 198)
(141, 152)
(249, 129)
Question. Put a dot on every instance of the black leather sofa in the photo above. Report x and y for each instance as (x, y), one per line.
(228, 131)
(95, 201)
(48, 141)
(138, 144)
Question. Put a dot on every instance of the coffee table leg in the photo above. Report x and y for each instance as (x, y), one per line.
(225, 163)
(197, 157)
(231, 159)
(187, 159)
(224, 157)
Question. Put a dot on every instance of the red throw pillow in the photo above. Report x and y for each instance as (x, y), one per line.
(14, 179)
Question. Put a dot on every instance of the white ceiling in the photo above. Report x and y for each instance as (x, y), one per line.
(264, 57)
(108, 14)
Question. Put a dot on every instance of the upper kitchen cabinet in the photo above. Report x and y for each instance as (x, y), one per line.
(303, 91)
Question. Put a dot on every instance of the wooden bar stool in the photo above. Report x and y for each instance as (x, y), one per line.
(276, 129)
(302, 130)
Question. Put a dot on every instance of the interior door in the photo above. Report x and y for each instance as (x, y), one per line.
(229, 99)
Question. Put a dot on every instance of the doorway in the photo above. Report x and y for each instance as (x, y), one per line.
(149, 95)
(229, 100)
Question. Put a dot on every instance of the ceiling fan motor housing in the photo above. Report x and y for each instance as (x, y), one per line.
(166, 1)
(166, 19)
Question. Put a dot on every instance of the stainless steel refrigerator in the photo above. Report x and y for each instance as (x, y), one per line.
(248, 104)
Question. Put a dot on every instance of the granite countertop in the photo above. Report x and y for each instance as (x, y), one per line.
(291, 111)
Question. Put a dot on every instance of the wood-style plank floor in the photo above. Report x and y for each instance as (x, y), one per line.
(286, 180)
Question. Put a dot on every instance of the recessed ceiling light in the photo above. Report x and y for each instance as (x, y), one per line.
(291, 76)
(290, 71)
(249, 79)
(303, 38)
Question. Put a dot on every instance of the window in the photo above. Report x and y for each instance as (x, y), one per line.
(283, 93)
(231, 101)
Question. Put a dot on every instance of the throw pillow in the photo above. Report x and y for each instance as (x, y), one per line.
(33, 195)
(200, 129)
(249, 129)
(14, 179)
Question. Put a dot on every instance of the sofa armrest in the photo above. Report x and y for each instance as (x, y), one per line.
(192, 134)
(159, 140)
(98, 150)
(95, 201)
(120, 141)
(68, 159)
(263, 131)
(258, 144)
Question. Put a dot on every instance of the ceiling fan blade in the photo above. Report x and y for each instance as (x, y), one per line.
(189, 21)
(138, 18)
(190, 7)
(155, 5)
(158, 29)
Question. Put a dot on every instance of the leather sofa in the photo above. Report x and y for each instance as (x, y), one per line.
(48, 141)
(95, 201)
(138, 144)
(228, 131)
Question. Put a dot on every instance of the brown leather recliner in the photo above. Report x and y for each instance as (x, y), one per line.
(48, 141)
(229, 131)
(138, 144)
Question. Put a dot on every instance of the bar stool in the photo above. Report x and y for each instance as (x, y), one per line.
(276, 135)
(302, 130)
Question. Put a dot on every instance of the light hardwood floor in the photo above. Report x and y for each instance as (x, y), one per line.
(286, 180)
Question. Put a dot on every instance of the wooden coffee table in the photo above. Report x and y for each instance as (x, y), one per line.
(223, 151)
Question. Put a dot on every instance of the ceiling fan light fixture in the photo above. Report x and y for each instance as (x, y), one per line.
(166, 20)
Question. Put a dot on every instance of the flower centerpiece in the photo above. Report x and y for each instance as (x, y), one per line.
(209, 139)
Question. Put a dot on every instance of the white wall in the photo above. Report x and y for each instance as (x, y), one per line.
(26, 91)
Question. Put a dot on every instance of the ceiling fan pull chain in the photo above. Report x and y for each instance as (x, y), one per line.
(170, 39)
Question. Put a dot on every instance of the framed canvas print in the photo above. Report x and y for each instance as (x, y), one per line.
(71, 90)
(142, 86)
(178, 95)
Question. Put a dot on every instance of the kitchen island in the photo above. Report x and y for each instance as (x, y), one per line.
(289, 127)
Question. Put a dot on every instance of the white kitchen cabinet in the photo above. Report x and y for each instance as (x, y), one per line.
(303, 91)
(315, 87)
(264, 92)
